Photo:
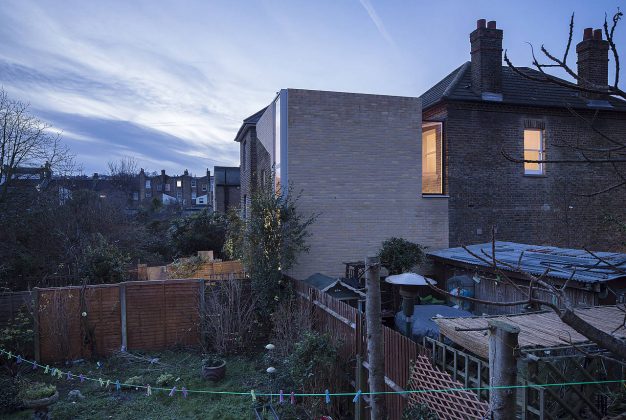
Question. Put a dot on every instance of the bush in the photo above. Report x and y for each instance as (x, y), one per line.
(165, 379)
(103, 262)
(36, 390)
(399, 255)
(204, 231)
(10, 395)
(419, 412)
(18, 334)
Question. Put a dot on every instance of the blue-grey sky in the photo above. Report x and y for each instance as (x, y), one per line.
(169, 82)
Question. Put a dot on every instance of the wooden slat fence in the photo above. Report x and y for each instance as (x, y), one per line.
(347, 327)
(77, 322)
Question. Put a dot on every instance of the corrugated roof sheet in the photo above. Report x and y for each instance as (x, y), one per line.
(536, 259)
(516, 89)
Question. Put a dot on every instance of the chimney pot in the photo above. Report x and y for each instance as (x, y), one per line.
(163, 172)
(588, 33)
(597, 34)
(491, 24)
(481, 23)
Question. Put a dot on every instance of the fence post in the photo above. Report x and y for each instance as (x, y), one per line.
(122, 289)
(36, 338)
(375, 343)
(203, 329)
(503, 349)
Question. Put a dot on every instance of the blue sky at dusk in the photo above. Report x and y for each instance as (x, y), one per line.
(169, 82)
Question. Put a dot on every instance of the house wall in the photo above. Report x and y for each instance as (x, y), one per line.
(357, 160)
(257, 162)
(487, 190)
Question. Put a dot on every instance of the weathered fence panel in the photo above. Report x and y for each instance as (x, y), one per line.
(78, 322)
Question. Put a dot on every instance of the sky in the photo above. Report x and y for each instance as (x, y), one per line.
(169, 82)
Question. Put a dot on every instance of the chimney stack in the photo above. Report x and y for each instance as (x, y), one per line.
(593, 61)
(486, 43)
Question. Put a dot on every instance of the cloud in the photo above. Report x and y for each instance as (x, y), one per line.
(377, 21)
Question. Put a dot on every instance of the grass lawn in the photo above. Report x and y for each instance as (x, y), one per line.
(242, 375)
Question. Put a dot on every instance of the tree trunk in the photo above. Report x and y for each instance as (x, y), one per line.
(375, 343)
(503, 347)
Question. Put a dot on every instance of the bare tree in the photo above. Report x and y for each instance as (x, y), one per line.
(26, 141)
(607, 148)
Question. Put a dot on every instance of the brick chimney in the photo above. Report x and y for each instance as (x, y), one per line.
(486, 43)
(593, 60)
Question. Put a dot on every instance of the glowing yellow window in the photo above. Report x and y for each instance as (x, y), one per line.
(432, 159)
(534, 150)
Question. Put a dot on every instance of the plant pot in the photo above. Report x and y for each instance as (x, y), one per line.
(41, 405)
(214, 373)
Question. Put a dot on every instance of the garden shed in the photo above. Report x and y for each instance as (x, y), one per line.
(593, 278)
(336, 288)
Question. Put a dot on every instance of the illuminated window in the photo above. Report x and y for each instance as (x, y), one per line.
(534, 150)
(432, 158)
(277, 172)
(179, 183)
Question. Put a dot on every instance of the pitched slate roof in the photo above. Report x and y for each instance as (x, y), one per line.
(536, 259)
(248, 123)
(516, 89)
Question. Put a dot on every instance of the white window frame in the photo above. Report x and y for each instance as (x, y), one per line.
(193, 183)
(541, 152)
(179, 183)
(148, 183)
(438, 154)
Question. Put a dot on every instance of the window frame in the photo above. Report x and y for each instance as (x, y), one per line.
(441, 124)
(541, 153)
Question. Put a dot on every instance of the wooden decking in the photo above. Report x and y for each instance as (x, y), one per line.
(537, 330)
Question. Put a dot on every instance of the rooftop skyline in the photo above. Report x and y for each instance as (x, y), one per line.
(170, 82)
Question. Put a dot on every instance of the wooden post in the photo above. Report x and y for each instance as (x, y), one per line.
(122, 289)
(503, 349)
(203, 329)
(375, 350)
(358, 380)
(36, 338)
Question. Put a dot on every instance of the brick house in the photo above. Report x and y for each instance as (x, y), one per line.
(226, 187)
(483, 109)
(355, 157)
(185, 190)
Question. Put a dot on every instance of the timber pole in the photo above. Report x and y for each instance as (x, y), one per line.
(503, 350)
(375, 351)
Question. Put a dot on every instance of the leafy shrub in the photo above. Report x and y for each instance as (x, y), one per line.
(104, 262)
(204, 231)
(419, 412)
(399, 255)
(165, 379)
(9, 397)
(36, 390)
(210, 360)
(134, 381)
(184, 268)
(18, 334)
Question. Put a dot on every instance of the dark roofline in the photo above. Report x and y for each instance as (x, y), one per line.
(448, 94)
(249, 123)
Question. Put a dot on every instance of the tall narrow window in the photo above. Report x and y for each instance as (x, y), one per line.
(534, 150)
(148, 183)
(432, 158)
(277, 171)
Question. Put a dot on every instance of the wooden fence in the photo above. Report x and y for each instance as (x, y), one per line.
(78, 322)
(346, 325)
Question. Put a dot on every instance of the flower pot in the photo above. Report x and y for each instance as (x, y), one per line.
(41, 405)
(214, 373)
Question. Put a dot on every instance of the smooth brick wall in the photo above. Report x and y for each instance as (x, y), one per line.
(357, 160)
